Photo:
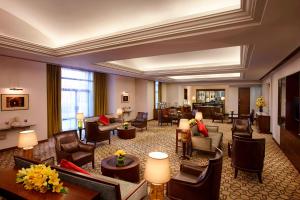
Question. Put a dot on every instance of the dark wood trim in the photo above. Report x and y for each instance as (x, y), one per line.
(15, 147)
(283, 61)
(276, 142)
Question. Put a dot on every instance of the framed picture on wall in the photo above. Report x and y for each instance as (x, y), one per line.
(125, 97)
(11, 102)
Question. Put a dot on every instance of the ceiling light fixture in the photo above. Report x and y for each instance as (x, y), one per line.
(16, 89)
(207, 76)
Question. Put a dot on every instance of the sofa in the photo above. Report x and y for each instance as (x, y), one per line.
(202, 143)
(113, 125)
(110, 188)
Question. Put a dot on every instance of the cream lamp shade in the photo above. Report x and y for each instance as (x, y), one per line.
(157, 169)
(27, 139)
(79, 116)
(119, 111)
(193, 98)
(184, 124)
(199, 116)
(222, 98)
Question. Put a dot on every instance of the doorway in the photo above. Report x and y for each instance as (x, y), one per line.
(244, 101)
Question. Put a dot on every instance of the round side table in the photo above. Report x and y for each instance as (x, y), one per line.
(130, 172)
(126, 133)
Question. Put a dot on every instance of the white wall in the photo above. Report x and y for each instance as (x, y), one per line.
(292, 66)
(144, 91)
(116, 85)
(32, 77)
(150, 99)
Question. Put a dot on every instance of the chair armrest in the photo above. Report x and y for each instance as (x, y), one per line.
(86, 147)
(192, 170)
(212, 128)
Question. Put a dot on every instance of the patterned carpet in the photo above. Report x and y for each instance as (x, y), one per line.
(280, 179)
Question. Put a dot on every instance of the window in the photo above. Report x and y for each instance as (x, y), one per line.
(76, 96)
(156, 94)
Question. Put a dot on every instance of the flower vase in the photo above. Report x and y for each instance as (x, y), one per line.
(260, 109)
(120, 161)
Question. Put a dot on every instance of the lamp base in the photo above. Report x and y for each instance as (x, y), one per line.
(157, 192)
(28, 153)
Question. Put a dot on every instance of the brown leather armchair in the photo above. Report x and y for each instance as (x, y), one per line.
(141, 120)
(164, 117)
(69, 147)
(94, 134)
(194, 182)
(217, 116)
(242, 128)
(248, 155)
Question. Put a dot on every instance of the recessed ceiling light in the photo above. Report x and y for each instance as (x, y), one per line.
(217, 58)
(206, 76)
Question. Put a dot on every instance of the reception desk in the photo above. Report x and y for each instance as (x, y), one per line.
(208, 110)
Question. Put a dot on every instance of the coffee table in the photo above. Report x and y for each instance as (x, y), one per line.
(126, 133)
(130, 172)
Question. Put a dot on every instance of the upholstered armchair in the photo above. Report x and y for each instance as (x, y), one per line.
(164, 117)
(217, 116)
(69, 147)
(195, 182)
(94, 134)
(141, 120)
(242, 128)
(248, 155)
(208, 144)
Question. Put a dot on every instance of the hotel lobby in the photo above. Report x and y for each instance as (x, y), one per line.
(150, 100)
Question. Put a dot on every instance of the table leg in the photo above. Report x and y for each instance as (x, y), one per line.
(184, 149)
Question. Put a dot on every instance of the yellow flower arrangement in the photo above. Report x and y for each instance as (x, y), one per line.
(192, 122)
(120, 153)
(260, 102)
(40, 178)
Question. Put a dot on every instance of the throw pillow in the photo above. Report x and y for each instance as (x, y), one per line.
(104, 120)
(70, 147)
(195, 131)
(202, 129)
(71, 166)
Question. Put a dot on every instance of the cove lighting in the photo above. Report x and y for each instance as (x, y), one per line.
(206, 76)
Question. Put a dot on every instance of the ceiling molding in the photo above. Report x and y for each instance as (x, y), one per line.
(246, 54)
(249, 14)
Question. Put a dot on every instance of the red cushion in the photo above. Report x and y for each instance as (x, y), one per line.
(71, 166)
(104, 120)
(202, 129)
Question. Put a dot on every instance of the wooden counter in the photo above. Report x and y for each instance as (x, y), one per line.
(208, 110)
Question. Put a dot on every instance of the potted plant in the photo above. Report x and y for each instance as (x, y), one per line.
(120, 154)
(260, 103)
(125, 125)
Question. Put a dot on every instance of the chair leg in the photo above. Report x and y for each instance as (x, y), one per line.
(259, 174)
(93, 164)
(235, 172)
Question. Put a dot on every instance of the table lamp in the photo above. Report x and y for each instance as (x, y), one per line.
(80, 117)
(199, 116)
(27, 139)
(120, 113)
(184, 126)
(157, 172)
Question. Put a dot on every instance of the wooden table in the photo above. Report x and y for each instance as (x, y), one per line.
(12, 190)
(130, 172)
(126, 133)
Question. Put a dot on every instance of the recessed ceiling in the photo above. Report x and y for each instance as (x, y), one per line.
(217, 58)
(206, 76)
(71, 21)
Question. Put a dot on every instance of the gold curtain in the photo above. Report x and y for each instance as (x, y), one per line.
(100, 94)
(159, 92)
(53, 99)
